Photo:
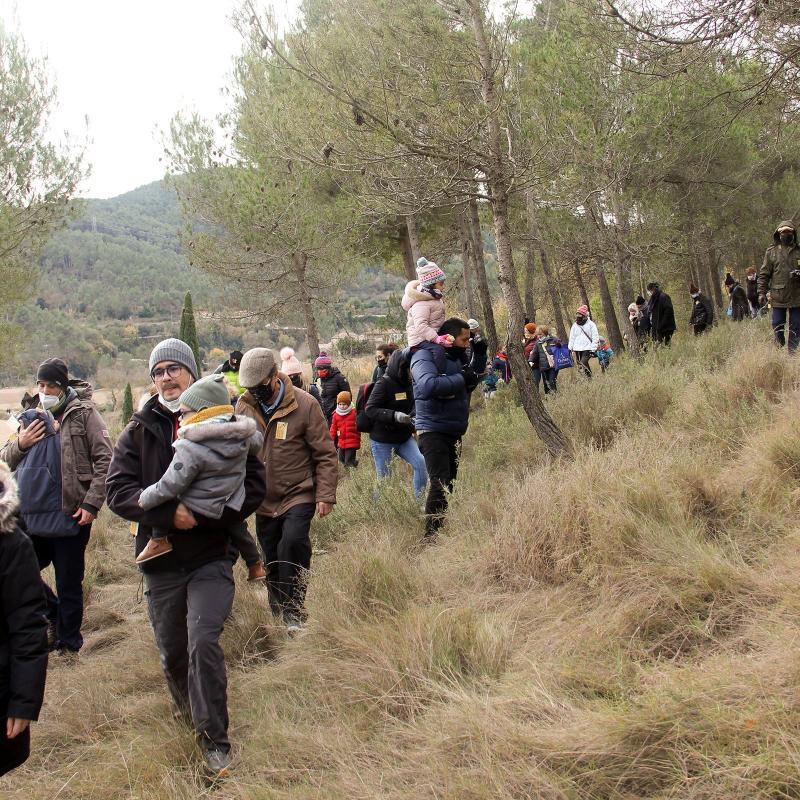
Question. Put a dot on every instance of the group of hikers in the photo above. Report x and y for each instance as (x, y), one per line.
(203, 454)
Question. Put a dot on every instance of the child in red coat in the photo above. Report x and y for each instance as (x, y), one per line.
(344, 432)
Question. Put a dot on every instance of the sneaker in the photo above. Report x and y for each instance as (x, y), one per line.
(294, 624)
(153, 549)
(218, 763)
(256, 572)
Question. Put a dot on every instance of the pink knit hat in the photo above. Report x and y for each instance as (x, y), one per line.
(290, 364)
(428, 272)
(583, 310)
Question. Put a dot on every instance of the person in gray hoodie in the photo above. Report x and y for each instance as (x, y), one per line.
(208, 469)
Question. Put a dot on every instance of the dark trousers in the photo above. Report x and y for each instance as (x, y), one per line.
(13, 752)
(245, 544)
(699, 329)
(188, 612)
(348, 456)
(441, 452)
(779, 316)
(286, 544)
(548, 378)
(65, 605)
(584, 357)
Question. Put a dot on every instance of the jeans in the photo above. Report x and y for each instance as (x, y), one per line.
(441, 452)
(188, 612)
(548, 377)
(65, 605)
(779, 324)
(382, 452)
(286, 544)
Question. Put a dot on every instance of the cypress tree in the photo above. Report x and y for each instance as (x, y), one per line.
(188, 332)
(127, 404)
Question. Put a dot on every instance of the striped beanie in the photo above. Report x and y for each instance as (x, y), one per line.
(323, 360)
(428, 272)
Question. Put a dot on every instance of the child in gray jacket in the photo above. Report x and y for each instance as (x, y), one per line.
(208, 469)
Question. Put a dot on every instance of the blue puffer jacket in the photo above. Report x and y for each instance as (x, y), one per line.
(440, 393)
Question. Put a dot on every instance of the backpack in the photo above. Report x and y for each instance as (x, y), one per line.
(562, 359)
(363, 422)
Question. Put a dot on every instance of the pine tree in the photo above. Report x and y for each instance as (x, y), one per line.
(127, 404)
(188, 332)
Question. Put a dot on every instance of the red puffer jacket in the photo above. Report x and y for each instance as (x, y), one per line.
(344, 426)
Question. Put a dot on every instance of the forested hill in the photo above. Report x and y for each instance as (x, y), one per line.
(120, 258)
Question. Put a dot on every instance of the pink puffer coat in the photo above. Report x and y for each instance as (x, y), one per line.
(425, 314)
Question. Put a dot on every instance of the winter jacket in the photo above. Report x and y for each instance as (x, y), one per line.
(331, 385)
(441, 397)
(23, 615)
(425, 314)
(583, 337)
(142, 455)
(503, 366)
(298, 454)
(751, 289)
(538, 357)
(208, 469)
(85, 453)
(231, 375)
(393, 392)
(740, 308)
(774, 276)
(379, 371)
(702, 312)
(344, 433)
(530, 346)
(662, 316)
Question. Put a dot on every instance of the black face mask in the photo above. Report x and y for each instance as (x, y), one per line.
(380, 359)
(581, 320)
(456, 353)
(297, 380)
(263, 393)
(234, 365)
(787, 239)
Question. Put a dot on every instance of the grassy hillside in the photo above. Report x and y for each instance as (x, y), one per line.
(621, 626)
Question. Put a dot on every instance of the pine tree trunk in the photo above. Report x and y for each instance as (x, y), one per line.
(409, 265)
(536, 236)
(612, 324)
(467, 260)
(714, 277)
(485, 297)
(312, 333)
(576, 268)
(413, 239)
(497, 182)
(530, 273)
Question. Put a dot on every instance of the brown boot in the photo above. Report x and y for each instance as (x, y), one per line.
(256, 572)
(154, 549)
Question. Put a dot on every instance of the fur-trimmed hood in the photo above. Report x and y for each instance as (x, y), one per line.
(236, 430)
(9, 501)
(413, 294)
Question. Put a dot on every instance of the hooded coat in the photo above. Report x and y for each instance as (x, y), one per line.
(740, 308)
(208, 469)
(23, 614)
(425, 314)
(662, 316)
(774, 276)
(393, 392)
(702, 312)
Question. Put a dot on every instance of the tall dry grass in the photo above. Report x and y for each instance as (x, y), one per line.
(620, 626)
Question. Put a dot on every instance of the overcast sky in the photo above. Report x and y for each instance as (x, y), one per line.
(129, 67)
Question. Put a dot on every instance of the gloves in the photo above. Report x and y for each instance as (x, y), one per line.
(471, 379)
(402, 419)
(762, 299)
(445, 340)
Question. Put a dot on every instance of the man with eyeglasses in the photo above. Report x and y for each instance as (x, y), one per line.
(189, 590)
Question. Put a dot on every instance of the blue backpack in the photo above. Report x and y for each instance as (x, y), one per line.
(562, 358)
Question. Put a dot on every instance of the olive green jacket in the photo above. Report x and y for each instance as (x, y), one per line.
(774, 276)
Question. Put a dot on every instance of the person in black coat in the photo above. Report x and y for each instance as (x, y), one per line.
(740, 308)
(23, 632)
(331, 383)
(661, 313)
(390, 410)
(702, 317)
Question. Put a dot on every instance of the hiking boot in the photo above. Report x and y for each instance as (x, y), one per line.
(218, 763)
(256, 572)
(153, 549)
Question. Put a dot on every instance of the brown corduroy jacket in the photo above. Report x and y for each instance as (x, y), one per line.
(298, 453)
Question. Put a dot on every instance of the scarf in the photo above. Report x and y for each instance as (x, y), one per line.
(268, 410)
(58, 409)
(343, 413)
(435, 293)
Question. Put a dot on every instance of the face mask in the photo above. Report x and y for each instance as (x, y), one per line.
(695, 296)
(297, 380)
(49, 401)
(580, 319)
(380, 359)
(263, 393)
(173, 406)
(787, 239)
(343, 409)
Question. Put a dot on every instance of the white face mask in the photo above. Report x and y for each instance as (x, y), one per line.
(49, 401)
(174, 406)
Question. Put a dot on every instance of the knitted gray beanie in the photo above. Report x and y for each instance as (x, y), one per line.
(207, 392)
(174, 350)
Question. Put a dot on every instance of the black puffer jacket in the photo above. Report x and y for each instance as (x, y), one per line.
(391, 393)
(333, 383)
(662, 316)
(23, 621)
